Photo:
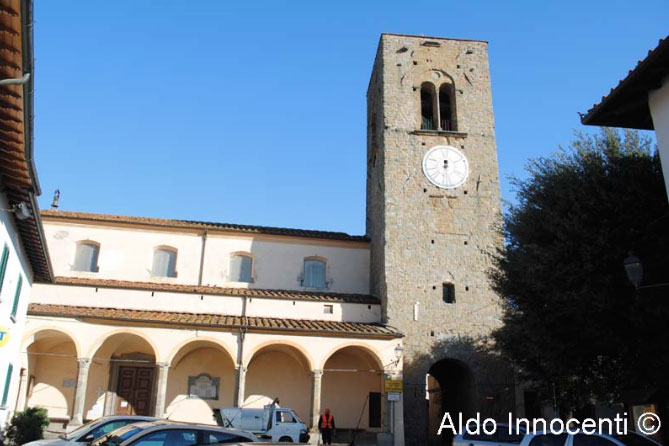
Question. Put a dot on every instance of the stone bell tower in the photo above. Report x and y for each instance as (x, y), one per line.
(434, 216)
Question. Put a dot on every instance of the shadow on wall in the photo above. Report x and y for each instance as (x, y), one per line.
(458, 375)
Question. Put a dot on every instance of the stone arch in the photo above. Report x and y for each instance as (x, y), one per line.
(367, 348)
(307, 357)
(169, 359)
(451, 387)
(29, 338)
(95, 346)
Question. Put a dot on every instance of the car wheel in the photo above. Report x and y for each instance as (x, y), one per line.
(285, 440)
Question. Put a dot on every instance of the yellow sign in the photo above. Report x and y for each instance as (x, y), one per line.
(4, 335)
(393, 385)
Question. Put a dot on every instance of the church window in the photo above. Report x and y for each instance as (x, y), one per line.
(314, 273)
(427, 107)
(241, 268)
(164, 262)
(86, 257)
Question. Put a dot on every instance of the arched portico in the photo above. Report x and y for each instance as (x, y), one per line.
(352, 387)
(51, 372)
(121, 376)
(279, 370)
(201, 376)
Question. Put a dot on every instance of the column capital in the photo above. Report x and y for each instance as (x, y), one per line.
(163, 365)
(84, 362)
(317, 373)
(241, 368)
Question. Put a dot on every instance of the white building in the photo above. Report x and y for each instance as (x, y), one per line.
(23, 255)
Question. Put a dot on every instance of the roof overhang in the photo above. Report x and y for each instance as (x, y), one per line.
(627, 104)
(18, 176)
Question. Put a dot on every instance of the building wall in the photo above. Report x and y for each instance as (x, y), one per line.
(126, 253)
(423, 236)
(12, 327)
(658, 102)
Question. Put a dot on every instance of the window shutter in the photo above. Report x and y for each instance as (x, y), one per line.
(19, 284)
(3, 265)
(8, 381)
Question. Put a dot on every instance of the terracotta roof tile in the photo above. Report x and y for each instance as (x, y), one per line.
(219, 291)
(18, 179)
(190, 224)
(222, 321)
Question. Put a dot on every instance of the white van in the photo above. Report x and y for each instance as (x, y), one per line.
(276, 424)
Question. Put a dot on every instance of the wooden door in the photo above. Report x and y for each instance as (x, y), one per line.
(134, 390)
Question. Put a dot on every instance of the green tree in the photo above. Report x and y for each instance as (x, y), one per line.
(572, 321)
(27, 426)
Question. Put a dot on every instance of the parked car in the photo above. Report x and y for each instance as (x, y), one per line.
(170, 433)
(582, 439)
(501, 437)
(91, 431)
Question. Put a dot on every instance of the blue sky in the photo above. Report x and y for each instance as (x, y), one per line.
(254, 112)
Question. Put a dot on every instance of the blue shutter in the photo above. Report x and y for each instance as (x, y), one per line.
(3, 265)
(19, 284)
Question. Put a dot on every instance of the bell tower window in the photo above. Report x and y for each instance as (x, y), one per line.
(446, 115)
(428, 107)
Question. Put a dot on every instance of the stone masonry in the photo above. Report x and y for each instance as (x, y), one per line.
(423, 236)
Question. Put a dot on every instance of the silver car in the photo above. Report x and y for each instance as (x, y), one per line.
(91, 431)
(501, 437)
(170, 433)
(582, 439)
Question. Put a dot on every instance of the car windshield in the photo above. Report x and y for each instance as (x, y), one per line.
(80, 430)
(118, 436)
(631, 439)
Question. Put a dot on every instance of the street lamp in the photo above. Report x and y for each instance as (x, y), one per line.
(399, 350)
(634, 269)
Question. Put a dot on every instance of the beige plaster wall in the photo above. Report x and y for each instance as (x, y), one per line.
(126, 253)
(198, 303)
(277, 374)
(51, 366)
(208, 360)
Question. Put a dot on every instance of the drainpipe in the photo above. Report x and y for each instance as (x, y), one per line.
(204, 244)
(241, 373)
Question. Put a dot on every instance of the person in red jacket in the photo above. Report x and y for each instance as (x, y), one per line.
(326, 424)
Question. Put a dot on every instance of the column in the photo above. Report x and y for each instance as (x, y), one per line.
(241, 383)
(316, 398)
(80, 392)
(23, 391)
(161, 389)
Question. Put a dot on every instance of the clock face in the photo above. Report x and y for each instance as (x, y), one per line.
(446, 167)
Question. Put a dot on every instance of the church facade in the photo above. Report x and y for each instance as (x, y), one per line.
(173, 318)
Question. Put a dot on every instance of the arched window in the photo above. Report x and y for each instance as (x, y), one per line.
(314, 273)
(86, 257)
(164, 262)
(447, 117)
(427, 107)
(241, 268)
